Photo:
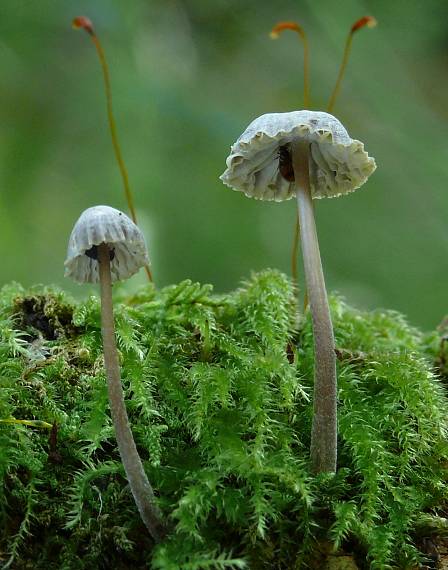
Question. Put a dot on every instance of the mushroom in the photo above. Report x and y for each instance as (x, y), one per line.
(106, 246)
(307, 154)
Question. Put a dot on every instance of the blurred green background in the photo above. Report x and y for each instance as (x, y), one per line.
(188, 76)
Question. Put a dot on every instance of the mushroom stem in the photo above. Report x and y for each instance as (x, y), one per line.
(138, 481)
(324, 429)
(295, 247)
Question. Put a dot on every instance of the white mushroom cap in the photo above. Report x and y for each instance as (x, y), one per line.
(103, 224)
(338, 163)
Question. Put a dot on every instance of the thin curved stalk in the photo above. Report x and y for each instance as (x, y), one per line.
(324, 429)
(138, 481)
(86, 24)
(368, 21)
(114, 136)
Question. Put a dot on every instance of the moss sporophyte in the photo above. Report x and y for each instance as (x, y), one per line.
(307, 154)
(221, 413)
(84, 23)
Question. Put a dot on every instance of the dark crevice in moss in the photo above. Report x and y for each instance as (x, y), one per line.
(44, 316)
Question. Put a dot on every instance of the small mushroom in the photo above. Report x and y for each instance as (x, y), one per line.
(307, 154)
(260, 162)
(106, 246)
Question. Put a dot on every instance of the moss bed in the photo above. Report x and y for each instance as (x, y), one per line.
(219, 395)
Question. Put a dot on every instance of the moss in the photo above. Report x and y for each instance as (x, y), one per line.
(219, 396)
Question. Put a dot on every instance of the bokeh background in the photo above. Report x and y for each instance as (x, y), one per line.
(188, 76)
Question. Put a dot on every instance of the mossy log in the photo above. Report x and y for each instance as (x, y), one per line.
(219, 395)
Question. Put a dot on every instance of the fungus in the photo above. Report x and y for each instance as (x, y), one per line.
(106, 246)
(307, 154)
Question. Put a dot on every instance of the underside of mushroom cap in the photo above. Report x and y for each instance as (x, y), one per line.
(338, 164)
(103, 224)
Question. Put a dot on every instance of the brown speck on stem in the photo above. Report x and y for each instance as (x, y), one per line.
(53, 454)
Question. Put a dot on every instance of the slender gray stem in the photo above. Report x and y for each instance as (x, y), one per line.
(324, 428)
(138, 481)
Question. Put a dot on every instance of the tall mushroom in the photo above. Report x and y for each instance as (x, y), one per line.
(106, 246)
(307, 154)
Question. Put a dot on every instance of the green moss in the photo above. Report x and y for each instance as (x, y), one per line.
(219, 396)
